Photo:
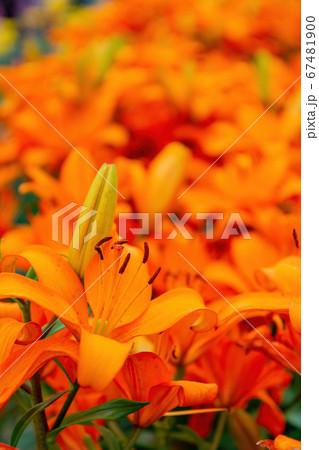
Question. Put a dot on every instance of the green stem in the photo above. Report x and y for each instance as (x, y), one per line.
(26, 388)
(26, 312)
(89, 442)
(39, 422)
(133, 438)
(48, 327)
(219, 430)
(40, 425)
(180, 372)
(113, 425)
(66, 405)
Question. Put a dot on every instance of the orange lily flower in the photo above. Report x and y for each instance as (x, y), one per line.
(144, 377)
(241, 377)
(118, 289)
(281, 443)
(126, 310)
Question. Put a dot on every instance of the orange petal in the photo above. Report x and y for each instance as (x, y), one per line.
(145, 377)
(100, 360)
(295, 315)
(22, 364)
(280, 443)
(221, 273)
(284, 276)
(251, 254)
(6, 447)
(168, 309)
(55, 272)
(193, 393)
(10, 310)
(134, 291)
(252, 303)
(12, 331)
(286, 443)
(270, 415)
(125, 296)
(140, 373)
(14, 285)
(165, 175)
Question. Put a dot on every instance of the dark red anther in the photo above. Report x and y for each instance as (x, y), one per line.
(121, 242)
(102, 241)
(295, 236)
(98, 246)
(153, 278)
(125, 263)
(146, 252)
(98, 249)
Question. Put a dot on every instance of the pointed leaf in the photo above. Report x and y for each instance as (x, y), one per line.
(113, 410)
(21, 399)
(57, 326)
(29, 416)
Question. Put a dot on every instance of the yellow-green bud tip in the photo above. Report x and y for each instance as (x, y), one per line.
(96, 219)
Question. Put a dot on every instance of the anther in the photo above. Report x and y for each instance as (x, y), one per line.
(123, 241)
(153, 278)
(295, 236)
(98, 246)
(125, 263)
(146, 252)
(102, 241)
(98, 249)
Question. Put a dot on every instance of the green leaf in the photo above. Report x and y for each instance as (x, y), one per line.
(31, 274)
(113, 410)
(57, 326)
(293, 416)
(29, 416)
(64, 371)
(21, 399)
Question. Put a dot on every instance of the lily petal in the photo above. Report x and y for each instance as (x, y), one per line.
(10, 310)
(284, 276)
(22, 364)
(12, 331)
(14, 285)
(55, 272)
(252, 302)
(125, 296)
(295, 315)
(280, 443)
(193, 393)
(165, 311)
(100, 360)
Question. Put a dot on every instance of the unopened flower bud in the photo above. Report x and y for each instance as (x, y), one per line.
(96, 218)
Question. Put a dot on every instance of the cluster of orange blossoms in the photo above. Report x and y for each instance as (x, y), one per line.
(167, 93)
